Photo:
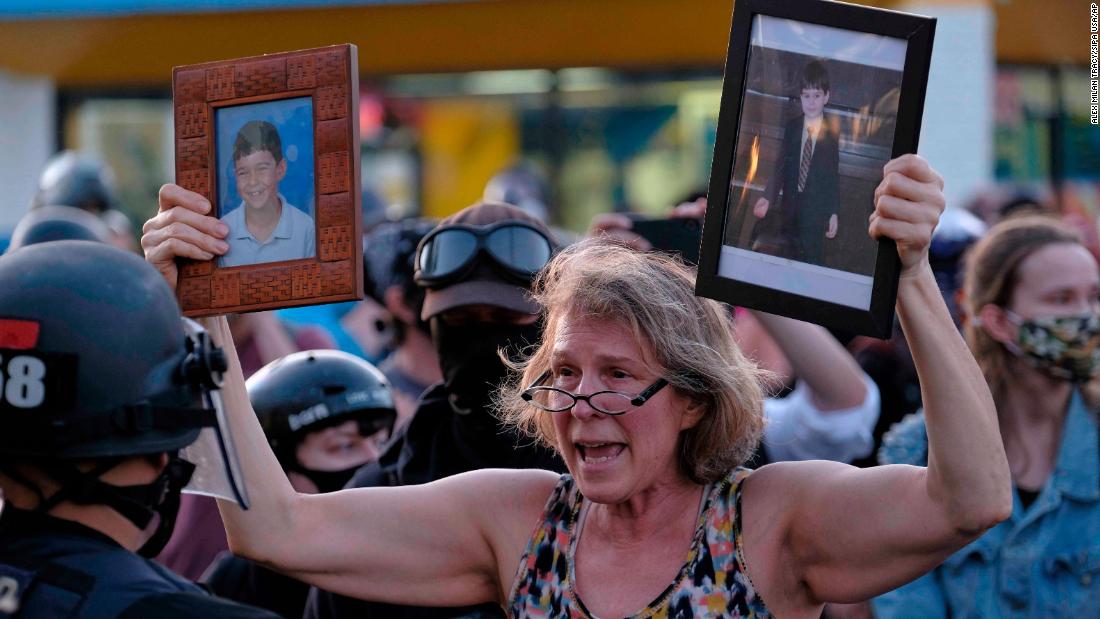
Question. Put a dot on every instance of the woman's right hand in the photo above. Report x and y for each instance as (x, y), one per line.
(181, 229)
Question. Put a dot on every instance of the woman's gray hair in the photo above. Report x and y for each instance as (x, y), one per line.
(690, 339)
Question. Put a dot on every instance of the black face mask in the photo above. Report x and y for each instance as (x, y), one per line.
(472, 370)
(168, 485)
(139, 504)
(328, 481)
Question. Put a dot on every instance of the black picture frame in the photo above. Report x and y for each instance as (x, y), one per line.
(743, 277)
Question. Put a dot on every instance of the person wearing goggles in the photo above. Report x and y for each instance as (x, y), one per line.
(477, 267)
(475, 270)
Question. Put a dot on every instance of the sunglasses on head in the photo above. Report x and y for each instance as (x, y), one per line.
(516, 249)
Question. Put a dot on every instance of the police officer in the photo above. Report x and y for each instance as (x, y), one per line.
(109, 408)
(86, 183)
(81, 181)
(58, 223)
(476, 268)
(325, 414)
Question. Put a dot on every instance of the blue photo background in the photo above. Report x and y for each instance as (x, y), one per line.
(294, 120)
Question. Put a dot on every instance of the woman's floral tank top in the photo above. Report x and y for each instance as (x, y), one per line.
(713, 581)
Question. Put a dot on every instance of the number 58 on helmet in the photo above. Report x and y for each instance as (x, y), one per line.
(97, 363)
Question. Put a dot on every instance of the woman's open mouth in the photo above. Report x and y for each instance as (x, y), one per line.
(597, 453)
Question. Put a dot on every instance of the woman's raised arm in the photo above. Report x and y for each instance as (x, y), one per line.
(431, 544)
(856, 533)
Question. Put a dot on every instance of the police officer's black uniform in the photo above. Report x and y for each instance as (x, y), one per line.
(98, 368)
(54, 568)
(454, 429)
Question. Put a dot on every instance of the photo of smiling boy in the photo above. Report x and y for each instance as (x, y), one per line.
(804, 185)
(264, 227)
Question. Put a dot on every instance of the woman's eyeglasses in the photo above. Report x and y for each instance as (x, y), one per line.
(554, 400)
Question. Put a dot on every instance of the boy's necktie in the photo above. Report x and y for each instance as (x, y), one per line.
(807, 152)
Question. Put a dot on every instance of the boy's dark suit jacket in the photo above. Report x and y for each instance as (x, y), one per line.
(805, 216)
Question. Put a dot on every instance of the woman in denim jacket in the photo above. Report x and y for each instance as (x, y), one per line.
(1033, 324)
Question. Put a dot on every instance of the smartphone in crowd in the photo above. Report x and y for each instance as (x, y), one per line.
(675, 235)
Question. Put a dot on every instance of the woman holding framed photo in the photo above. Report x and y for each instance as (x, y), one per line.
(639, 385)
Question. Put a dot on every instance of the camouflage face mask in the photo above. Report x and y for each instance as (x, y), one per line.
(1065, 347)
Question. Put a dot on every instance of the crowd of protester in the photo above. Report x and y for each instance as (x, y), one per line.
(715, 461)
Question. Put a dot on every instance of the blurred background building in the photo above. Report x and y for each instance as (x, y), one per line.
(615, 102)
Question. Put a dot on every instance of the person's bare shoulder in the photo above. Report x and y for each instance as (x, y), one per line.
(518, 490)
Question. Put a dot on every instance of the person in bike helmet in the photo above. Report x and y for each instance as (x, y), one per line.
(325, 414)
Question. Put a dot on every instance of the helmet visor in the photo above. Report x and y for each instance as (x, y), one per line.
(217, 466)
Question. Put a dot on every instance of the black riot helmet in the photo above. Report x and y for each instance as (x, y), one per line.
(77, 180)
(98, 365)
(311, 390)
(58, 223)
(103, 333)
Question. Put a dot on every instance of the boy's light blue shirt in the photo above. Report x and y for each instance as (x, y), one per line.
(1041, 562)
(294, 238)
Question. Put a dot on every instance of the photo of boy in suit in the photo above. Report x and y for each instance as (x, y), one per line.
(264, 227)
(804, 184)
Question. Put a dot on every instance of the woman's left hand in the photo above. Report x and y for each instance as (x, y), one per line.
(908, 204)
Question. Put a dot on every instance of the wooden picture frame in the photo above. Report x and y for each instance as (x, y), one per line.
(220, 109)
(771, 208)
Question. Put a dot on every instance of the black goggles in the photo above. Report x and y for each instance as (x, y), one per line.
(516, 249)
